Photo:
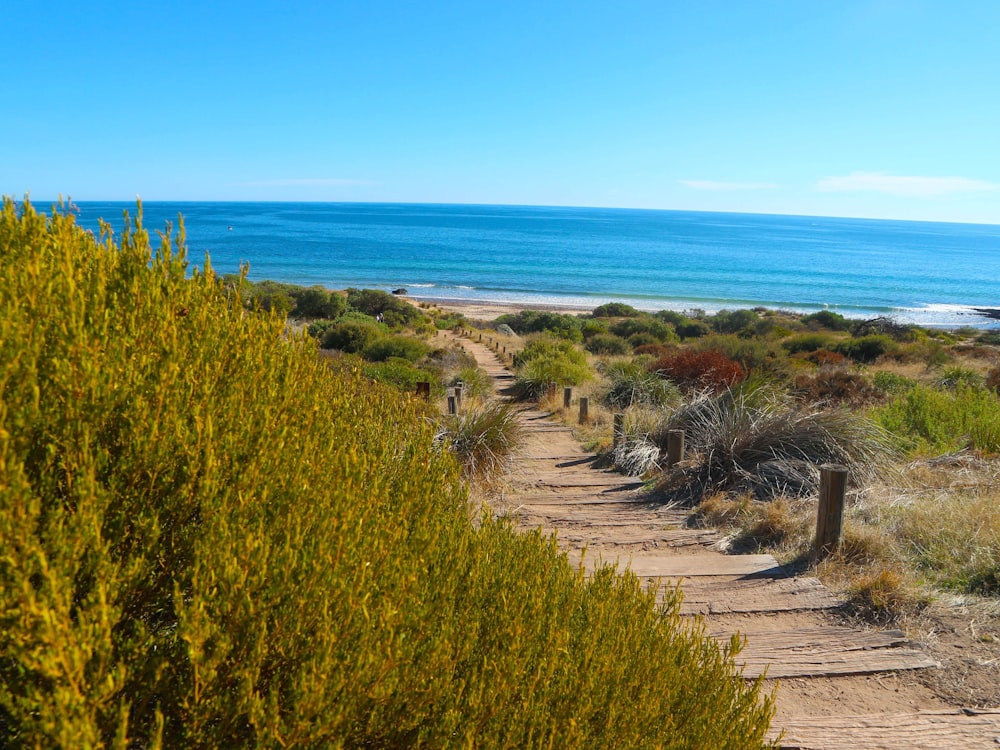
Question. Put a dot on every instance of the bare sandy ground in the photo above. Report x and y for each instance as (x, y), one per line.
(492, 310)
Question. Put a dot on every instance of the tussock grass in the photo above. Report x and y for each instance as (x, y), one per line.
(631, 384)
(485, 438)
(757, 440)
(210, 539)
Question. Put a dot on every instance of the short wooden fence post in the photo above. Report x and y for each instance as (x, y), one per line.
(584, 409)
(452, 404)
(830, 514)
(618, 433)
(675, 447)
(459, 392)
(424, 390)
(567, 397)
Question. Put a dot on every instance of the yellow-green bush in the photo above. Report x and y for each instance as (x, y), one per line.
(210, 539)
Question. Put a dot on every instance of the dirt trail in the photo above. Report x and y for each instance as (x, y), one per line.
(837, 686)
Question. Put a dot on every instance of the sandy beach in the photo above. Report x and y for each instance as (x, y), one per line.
(485, 310)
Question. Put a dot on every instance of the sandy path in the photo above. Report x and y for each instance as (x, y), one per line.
(837, 686)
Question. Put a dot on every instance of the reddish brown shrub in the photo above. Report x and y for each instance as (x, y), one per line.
(825, 358)
(837, 386)
(993, 379)
(708, 369)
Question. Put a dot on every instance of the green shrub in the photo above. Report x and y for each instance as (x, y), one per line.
(892, 383)
(672, 317)
(272, 297)
(400, 347)
(546, 347)
(867, 348)
(989, 338)
(546, 360)
(352, 337)
(831, 321)
(608, 344)
(532, 380)
(953, 377)
(593, 327)
(317, 302)
(807, 342)
(637, 340)
(615, 310)
(447, 321)
(927, 420)
(647, 324)
(734, 321)
(210, 539)
(564, 326)
(692, 329)
(395, 312)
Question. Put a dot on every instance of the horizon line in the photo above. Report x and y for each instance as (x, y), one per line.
(137, 199)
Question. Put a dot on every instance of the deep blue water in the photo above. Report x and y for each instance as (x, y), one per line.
(929, 273)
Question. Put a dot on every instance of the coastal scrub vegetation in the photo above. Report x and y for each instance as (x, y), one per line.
(214, 537)
(766, 396)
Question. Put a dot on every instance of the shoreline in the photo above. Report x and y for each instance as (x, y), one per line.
(488, 310)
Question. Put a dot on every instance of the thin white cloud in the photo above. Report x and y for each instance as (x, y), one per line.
(909, 186)
(309, 182)
(716, 185)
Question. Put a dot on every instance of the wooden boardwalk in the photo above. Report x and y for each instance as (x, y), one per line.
(601, 517)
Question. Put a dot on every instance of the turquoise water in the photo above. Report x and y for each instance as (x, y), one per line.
(928, 273)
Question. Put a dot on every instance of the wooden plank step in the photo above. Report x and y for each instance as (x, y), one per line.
(647, 565)
(593, 481)
(602, 520)
(922, 730)
(744, 595)
(625, 536)
(547, 501)
(581, 458)
(640, 514)
(813, 652)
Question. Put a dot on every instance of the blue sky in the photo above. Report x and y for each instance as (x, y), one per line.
(873, 108)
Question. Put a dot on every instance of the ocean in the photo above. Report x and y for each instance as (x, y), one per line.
(932, 274)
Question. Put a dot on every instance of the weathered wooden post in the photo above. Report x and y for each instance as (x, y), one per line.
(452, 404)
(459, 392)
(675, 447)
(567, 397)
(480, 337)
(584, 409)
(424, 390)
(618, 432)
(830, 514)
